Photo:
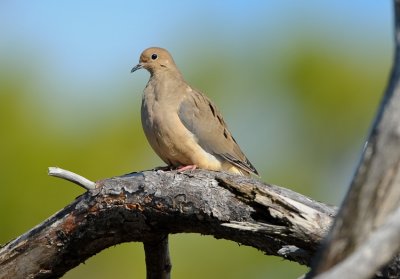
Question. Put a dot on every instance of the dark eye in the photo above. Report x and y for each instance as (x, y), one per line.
(154, 56)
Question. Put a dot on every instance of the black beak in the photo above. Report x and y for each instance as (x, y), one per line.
(137, 67)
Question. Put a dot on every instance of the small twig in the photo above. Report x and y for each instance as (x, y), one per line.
(73, 177)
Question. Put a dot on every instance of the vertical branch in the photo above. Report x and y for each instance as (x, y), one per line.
(374, 192)
(158, 262)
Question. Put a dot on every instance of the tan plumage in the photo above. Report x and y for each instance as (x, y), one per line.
(181, 124)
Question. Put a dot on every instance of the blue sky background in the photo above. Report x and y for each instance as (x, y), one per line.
(87, 41)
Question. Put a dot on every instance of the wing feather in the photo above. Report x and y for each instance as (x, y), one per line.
(202, 118)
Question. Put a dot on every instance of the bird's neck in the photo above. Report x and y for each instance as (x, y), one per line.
(166, 74)
(165, 85)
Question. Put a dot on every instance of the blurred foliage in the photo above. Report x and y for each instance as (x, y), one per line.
(301, 113)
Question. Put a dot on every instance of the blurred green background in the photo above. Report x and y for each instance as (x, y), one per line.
(298, 83)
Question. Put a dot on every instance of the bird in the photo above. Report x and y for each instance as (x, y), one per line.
(182, 125)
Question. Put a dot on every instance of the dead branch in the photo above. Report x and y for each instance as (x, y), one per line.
(73, 177)
(143, 206)
(374, 193)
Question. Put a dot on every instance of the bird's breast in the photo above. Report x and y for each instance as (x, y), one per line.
(163, 128)
(166, 133)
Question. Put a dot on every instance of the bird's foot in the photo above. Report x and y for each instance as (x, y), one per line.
(185, 168)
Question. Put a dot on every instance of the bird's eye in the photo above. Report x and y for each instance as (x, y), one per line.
(154, 56)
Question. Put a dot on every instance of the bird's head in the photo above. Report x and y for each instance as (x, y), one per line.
(155, 59)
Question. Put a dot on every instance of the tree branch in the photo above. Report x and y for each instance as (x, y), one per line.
(381, 242)
(73, 177)
(374, 192)
(144, 206)
(158, 262)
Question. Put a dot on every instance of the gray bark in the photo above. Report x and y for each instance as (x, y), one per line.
(144, 206)
(374, 193)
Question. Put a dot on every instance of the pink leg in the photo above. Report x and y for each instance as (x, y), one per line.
(185, 168)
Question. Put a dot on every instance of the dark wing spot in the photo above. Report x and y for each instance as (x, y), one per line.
(225, 133)
(212, 109)
(220, 120)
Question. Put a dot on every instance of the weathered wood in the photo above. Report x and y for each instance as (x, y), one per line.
(158, 261)
(72, 177)
(371, 255)
(143, 206)
(374, 192)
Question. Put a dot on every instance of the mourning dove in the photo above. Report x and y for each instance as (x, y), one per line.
(181, 124)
